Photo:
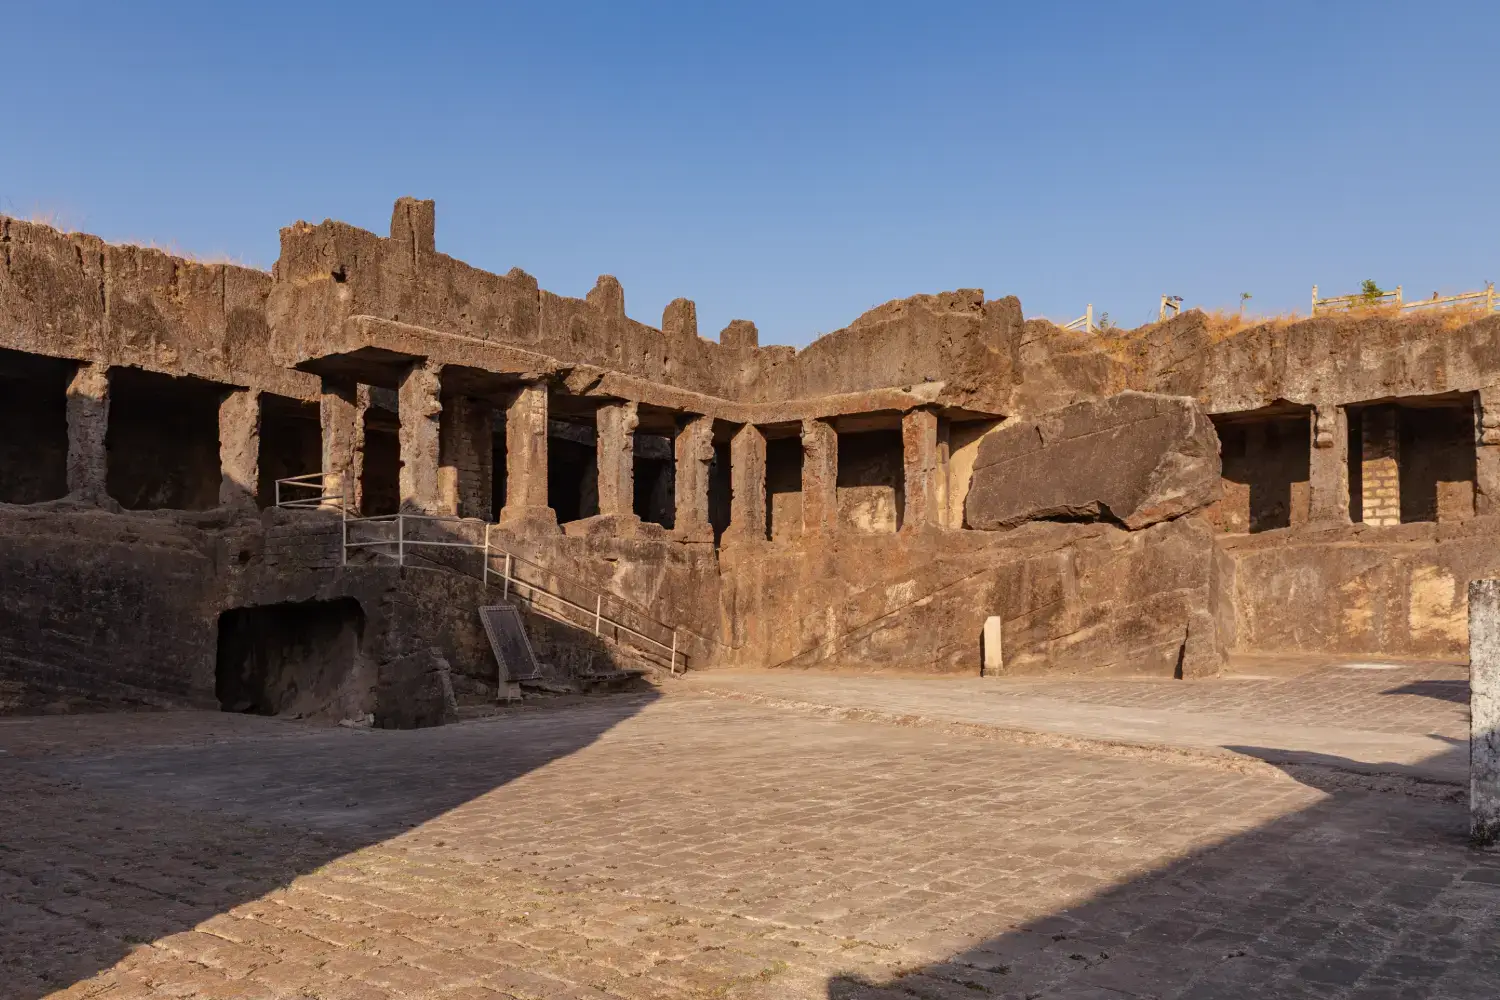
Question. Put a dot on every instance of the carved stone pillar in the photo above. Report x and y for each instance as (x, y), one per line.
(615, 442)
(420, 409)
(747, 485)
(820, 477)
(919, 448)
(944, 472)
(88, 422)
(695, 455)
(343, 425)
(1328, 466)
(239, 447)
(526, 459)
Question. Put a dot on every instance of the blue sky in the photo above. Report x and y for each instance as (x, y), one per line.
(793, 164)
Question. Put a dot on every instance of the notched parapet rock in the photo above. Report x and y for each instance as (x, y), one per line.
(1134, 459)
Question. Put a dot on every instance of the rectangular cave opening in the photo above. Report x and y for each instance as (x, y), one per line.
(784, 488)
(871, 481)
(33, 427)
(1412, 460)
(1435, 459)
(162, 443)
(1266, 469)
(572, 470)
(380, 470)
(291, 444)
(288, 659)
(655, 475)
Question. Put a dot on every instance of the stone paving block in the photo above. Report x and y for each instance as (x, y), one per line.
(877, 859)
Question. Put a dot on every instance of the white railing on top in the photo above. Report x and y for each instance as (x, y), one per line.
(291, 493)
(1084, 322)
(1482, 300)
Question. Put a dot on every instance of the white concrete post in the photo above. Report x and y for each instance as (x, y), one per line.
(1484, 712)
(994, 659)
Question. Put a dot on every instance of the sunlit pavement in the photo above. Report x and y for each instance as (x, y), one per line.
(697, 845)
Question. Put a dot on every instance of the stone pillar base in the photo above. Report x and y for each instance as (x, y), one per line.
(694, 533)
(611, 526)
(541, 519)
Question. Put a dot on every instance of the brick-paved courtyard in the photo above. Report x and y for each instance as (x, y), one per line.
(691, 846)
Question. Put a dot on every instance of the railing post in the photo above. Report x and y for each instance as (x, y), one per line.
(673, 668)
(506, 594)
(400, 539)
(598, 611)
(1398, 298)
(1088, 326)
(1314, 311)
(344, 538)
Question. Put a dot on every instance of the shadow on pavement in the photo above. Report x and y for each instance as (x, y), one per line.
(1365, 895)
(172, 836)
(1454, 691)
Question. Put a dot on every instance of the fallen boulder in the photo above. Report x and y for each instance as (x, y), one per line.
(1133, 459)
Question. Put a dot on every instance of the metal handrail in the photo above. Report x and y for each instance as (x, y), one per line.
(597, 612)
(311, 481)
(625, 605)
(402, 542)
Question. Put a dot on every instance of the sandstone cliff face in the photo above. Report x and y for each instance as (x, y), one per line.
(1134, 459)
(1327, 359)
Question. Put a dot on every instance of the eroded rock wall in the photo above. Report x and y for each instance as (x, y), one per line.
(72, 295)
(1334, 359)
(1072, 598)
(95, 613)
(1358, 591)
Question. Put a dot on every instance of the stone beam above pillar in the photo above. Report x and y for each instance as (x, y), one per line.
(615, 444)
(88, 422)
(695, 455)
(526, 460)
(820, 474)
(919, 449)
